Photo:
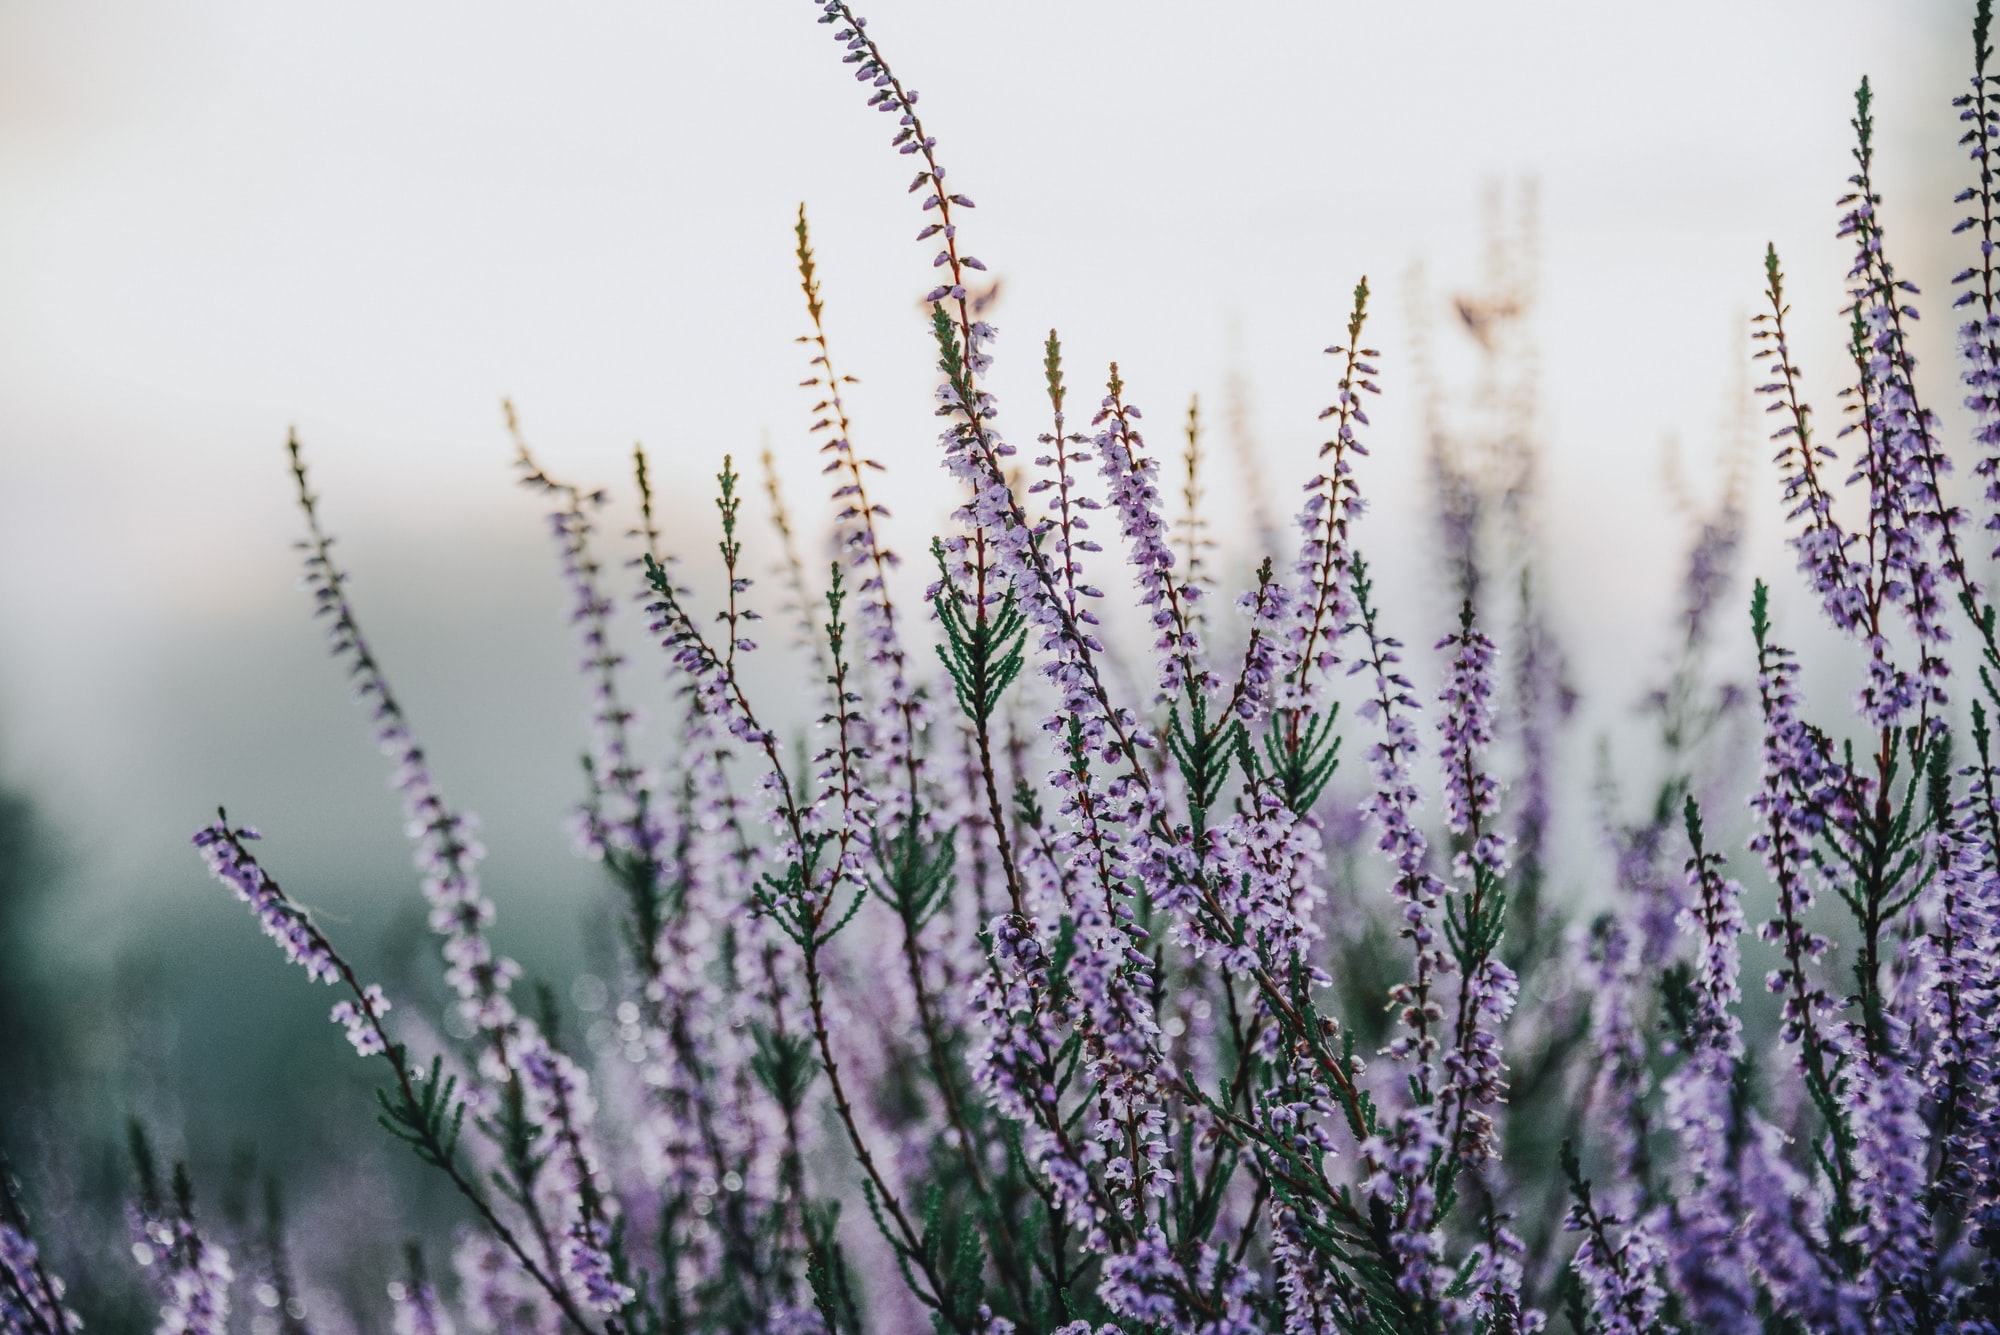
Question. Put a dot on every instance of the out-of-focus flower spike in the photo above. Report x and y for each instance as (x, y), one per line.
(31, 1295)
(418, 1309)
(191, 1272)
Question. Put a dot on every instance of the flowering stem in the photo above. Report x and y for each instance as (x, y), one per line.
(428, 1123)
(47, 1306)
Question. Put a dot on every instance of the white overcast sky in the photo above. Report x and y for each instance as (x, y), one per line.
(373, 219)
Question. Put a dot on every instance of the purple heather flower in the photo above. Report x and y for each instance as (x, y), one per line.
(1619, 1264)
(1619, 1080)
(495, 1294)
(191, 1272)
(1264, 864)
(562, 1107)
(1392, 807)
(1979, 335)
(627, 815)
(1473, 1068)
(1890, 1158)
(1106, 802)
(1825, 549)
(1312, 1300)
(284, 922)
(223, 847)
(1465, 722)
(1711, 1262)
(1013, 1059)
(1799, 785)
(447, 853)
(862, 551)
(419, 1310)
(1493, 1285)
(1148, 1284)
(1129, 477)
(1325, 595)
(1902, 461)
(1781, 1233)
(1541, 685)
(1141, 1284)
(31, 1298)
(1955, 988)
(363, 1021)
(1266, 660)
(1398, 1157)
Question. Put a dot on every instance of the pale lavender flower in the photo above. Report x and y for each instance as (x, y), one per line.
(1268, 608)
(1129, 476)
(1465, 723)
(632, 823)
(1475, 1084)
(31, 1298)
(1619, 1264)
(1392, 806)
(1494, 1284)
(1325, 598)
(1825, 549)
(1546, 700)
(1799, 784)
(563, 1110)
(190, 1271)
(1890, 1158)
(1107, 804)
(1902, 462)
(495, 1294)
(1013, 1059)
(222, 847)
(1143, 1284)
(1399, 1156)
(447, 855)
(1956, 999)
(1313, 1299)
(1782, 1234)
(1709, 1257)
(419, 1310)
(1263, 864)
(1474, 1079)
(1398, 1160)
(363, 1020)
(863, 551)
(1619, 1080)
(1979, 335)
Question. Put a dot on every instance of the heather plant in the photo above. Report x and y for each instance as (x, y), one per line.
(1061, 984)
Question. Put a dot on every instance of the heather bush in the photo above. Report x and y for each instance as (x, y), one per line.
(1209, 980)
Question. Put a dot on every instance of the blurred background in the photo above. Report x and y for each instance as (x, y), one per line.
(371, 221)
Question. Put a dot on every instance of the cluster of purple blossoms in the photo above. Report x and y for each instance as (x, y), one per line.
(419, 1310)
(191, 1272)
(31, 1296)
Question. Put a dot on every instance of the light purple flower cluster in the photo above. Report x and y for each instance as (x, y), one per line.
(1979, 334)
(1325, 598)
(31, 1298)
(624, 814)
(447, 853)
(191, 1273)
(284, 922)
(419, 1310)
(1151, 1018)
(1135, 496)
